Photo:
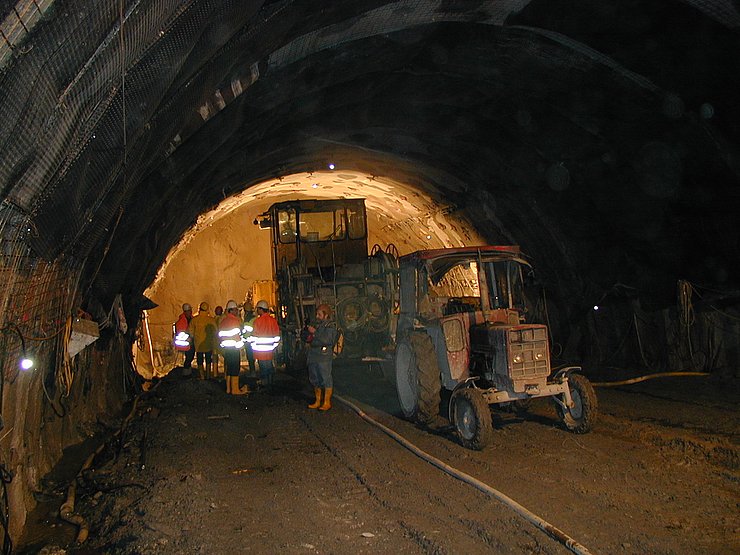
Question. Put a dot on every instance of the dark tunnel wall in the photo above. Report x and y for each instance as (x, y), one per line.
(593, 163)
(618, 164)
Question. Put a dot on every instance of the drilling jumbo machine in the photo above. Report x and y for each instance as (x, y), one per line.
(461, 337)
(320, 255)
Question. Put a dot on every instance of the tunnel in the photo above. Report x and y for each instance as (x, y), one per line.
(142, 140)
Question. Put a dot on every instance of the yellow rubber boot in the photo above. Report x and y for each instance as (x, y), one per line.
(326, 405)
(317, 403)
(228, 384)
(235, 389)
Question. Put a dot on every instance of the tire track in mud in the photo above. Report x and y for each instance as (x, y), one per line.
(675, 441)
(470, 534)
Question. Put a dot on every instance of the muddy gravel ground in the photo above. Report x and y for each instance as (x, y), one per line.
(197, 471)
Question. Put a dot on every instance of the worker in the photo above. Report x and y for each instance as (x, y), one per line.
(321, 339)
(218, 315)
(264, 339)
(231, 343)
(203, 330)
(247, 329)
(183, 339)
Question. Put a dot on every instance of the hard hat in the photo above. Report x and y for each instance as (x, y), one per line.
(186, 307)
(263, 305)
(231, 304)
(204, 306)
(219, 309)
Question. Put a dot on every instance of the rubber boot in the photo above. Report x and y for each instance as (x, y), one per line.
(200, 372)
(235, 389)
(215, 365)
(209, 367)
(326, 405)
(317, 403)
(228, 385)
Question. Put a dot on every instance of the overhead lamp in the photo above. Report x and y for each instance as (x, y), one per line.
(314, 185)
(26, 362)
(331, 166)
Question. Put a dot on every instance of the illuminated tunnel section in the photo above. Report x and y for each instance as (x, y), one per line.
(225, 253)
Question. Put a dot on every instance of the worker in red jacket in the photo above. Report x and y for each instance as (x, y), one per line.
(231, 343)
(183, 340)
(264, 339)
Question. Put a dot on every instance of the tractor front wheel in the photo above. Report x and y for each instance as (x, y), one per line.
(472, 416)
(581, 416)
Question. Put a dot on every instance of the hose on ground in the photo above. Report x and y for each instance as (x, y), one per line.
(648, 377)
(540, 523)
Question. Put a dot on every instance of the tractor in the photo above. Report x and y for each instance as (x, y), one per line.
(461, 337)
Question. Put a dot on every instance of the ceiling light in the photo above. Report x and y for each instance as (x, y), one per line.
(331, 166)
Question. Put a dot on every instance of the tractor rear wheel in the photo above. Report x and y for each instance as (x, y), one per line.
(406, 381)
(472, 416)
(430, 383)
(417, 378)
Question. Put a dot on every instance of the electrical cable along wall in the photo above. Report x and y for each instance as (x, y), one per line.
(40, 299)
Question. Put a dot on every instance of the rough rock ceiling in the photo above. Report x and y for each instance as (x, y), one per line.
(601, 136)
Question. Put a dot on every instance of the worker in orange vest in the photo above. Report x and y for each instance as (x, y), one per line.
(231, 343)
(218, 315)
(265, 338)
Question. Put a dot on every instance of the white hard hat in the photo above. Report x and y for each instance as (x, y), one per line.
(186, 307)
(263, 305)
(231, 304)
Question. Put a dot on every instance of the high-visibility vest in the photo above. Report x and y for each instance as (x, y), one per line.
(229, 332)
(265, 337)
(248, 328)
(182, 335)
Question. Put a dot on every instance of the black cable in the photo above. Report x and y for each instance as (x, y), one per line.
(6, 477)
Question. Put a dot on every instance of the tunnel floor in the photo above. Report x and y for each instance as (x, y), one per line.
(202, 472)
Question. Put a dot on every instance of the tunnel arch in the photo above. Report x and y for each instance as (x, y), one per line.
(601, 137)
